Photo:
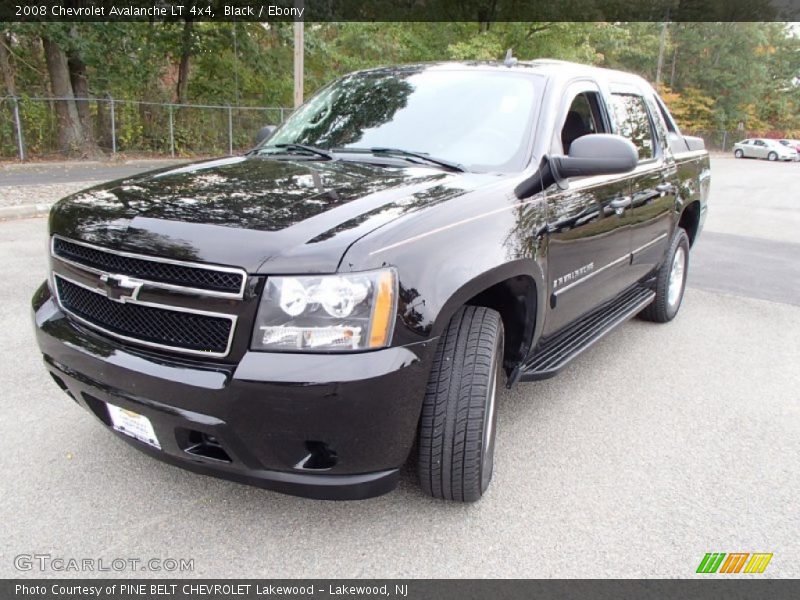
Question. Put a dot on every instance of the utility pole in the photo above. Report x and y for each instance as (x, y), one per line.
(298, 57)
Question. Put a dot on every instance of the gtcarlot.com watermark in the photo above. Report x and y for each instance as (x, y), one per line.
(45, 563)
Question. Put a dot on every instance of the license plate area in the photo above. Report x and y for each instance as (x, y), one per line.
(133, 424)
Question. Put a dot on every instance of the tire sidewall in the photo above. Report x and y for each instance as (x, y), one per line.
(738, 154)
(772, 157)
(490, 413)
(681, 241)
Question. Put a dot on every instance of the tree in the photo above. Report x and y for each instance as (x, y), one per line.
(70, 133)
(692, 109)
(5, 64)
(66, 71)
(80, 87)
(187, 44)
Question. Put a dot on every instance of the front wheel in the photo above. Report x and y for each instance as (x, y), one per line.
(457, 425)
(772, 156)
(670, 281)
(738, 154)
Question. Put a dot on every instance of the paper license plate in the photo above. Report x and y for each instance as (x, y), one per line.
(133, 424)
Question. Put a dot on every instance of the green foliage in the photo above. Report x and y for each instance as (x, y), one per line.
(480, 47)
(38, 123)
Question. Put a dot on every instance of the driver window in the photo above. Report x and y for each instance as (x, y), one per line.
(583, 118)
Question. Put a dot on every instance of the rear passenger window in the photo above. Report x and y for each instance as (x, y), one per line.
(634, 123)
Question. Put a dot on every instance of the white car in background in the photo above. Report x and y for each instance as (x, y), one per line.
(763, 148)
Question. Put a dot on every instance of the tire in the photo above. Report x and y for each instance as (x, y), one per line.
(772, 157)
(670, 281)
(738, 153)
(457, 425)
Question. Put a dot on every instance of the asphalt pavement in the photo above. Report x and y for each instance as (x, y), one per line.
(48, 173)
(659, 444)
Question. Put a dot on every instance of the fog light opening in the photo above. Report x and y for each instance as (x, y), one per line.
(203, 445)
(321, 457)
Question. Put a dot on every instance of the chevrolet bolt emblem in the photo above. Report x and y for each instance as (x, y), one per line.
(120, 288)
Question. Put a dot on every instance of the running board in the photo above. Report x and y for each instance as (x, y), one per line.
(554, 353)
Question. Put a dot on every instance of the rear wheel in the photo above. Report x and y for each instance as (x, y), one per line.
(670, 281)
(772, 156)
(738, 153)
(457, 425)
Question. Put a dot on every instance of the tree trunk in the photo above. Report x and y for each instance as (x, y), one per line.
(662, 44)
(183, 68)
(5, 65)
(674, 63)
(77, 76)
(486, 16)
(80, 87)
(70, 132)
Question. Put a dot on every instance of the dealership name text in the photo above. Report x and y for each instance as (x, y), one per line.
(212, 589)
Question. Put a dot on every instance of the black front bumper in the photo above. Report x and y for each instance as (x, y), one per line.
(333, 427)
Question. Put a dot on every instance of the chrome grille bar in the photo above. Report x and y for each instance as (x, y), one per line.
(176, 275)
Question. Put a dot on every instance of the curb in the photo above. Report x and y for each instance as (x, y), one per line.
(24, 211)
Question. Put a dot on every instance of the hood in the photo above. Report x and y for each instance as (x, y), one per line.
(261, 214)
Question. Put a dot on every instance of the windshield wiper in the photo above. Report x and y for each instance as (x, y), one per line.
(400, 153)
(301, 148)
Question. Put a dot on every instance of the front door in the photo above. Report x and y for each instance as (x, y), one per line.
(589, 241)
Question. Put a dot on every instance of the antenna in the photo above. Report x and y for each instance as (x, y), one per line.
(510, 60)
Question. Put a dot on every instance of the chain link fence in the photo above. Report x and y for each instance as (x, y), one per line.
(29, 126)
(723, 141)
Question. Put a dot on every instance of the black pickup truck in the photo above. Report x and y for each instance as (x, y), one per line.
(356, 288)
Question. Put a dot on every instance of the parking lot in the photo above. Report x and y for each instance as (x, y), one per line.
(659, 444)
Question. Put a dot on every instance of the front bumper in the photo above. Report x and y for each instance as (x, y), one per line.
(321, 426)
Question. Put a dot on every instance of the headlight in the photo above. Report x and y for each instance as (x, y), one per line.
(327, 313)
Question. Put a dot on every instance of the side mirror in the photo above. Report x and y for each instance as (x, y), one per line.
(593, 154)
(596, 154)
(265, 133)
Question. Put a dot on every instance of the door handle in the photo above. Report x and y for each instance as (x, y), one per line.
(620, 204)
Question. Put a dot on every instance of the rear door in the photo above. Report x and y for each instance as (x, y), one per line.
(589, 244)
(760, 149)
(654, 181)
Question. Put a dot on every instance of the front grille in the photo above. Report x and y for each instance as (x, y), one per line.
(214, 279)
(157, 327)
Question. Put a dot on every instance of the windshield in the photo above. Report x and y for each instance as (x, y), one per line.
(479, 119)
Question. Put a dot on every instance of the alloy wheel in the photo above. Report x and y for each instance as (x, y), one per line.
(676, 277)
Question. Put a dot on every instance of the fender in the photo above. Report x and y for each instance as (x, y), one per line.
(518, 268)
(447, 255)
